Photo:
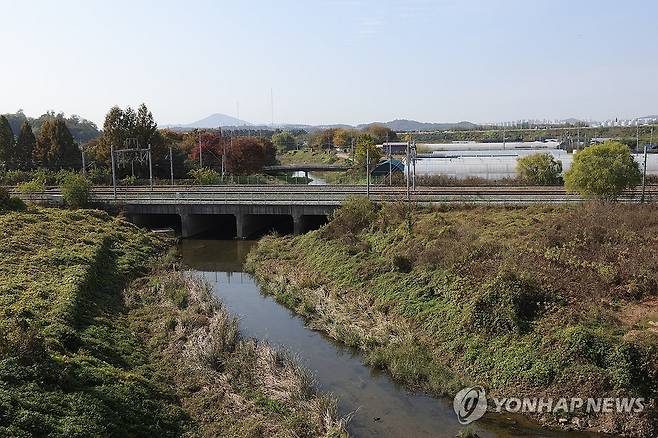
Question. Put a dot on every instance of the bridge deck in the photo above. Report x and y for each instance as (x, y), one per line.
(305, 168)
(330, 195)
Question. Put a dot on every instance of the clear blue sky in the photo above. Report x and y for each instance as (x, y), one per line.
(331, 61)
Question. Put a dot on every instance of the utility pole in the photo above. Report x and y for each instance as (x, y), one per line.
(644, 171)
(637, 126)
(368, 172)
(224, 157)
(413, 158)
(200, 152)
(407, 168)
(503, 137)
(390, 162)
(114, 176)
(84, 164)
(150, 168)
(171, 164)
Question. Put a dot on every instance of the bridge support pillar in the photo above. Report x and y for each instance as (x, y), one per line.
(244, 225)
(192, 224)
(297, 224)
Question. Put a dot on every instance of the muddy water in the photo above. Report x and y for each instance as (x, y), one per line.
(380, 407)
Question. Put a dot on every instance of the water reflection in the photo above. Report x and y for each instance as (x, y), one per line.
(382, 408)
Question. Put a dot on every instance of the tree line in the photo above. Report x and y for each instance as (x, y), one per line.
(54, 148)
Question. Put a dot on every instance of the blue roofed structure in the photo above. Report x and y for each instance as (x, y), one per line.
(384, 167)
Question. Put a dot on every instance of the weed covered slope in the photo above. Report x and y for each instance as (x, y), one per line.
(67, 367)
(538, 301)
(87, 350)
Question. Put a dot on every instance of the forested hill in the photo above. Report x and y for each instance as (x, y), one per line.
(81, 129)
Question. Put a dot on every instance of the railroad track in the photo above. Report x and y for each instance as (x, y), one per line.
(330, 195)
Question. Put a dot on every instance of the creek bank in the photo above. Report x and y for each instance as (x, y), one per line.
(99, 336)
(524, 301)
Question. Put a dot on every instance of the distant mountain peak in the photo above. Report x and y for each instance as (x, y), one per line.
(216, 120)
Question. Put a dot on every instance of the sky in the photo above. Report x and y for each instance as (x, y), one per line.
(332, 61)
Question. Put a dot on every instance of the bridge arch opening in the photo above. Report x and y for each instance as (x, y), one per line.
(156, 221)
(257, 225)
(311, 222)
(210, 226)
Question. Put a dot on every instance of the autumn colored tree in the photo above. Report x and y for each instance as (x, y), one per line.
(6, 141)
(248, 155)
(322, 139)
(25, 146)
(381, 133)
(55, 148)
(212, 145)
(343, 137)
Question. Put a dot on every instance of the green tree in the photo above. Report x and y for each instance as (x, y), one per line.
(55, 147)
(540, 169)
(120, 125)
(25, 146)
(284, 142)
(6, 141)
(114, 134)
(366, 148)
(145, 127)
(603, 171)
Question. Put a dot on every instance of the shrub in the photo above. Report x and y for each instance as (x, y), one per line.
(30, 187)
(100, 176)
(4, 196)
(603, 171)
(355, 215)
(540, 169)
(205, 177)
(76, 191)
(9, 203)
(16, 204)
(508, 304)
(130, 180)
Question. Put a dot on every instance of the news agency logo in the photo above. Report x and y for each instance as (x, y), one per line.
(470, 404)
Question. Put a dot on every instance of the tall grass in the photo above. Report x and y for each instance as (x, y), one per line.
(525, 301)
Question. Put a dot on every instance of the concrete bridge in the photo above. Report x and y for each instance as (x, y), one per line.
(284, 168)
(245, 211)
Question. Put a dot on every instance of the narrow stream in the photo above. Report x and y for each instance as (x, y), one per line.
(381, 407)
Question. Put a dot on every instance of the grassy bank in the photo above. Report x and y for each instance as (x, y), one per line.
(87, 350)
(537, 301)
